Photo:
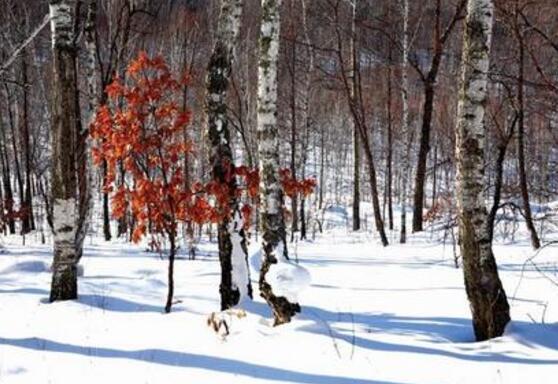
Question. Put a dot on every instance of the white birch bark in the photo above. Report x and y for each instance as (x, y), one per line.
(486, 295)
(271, 193)
(86, 195)
(405, 133)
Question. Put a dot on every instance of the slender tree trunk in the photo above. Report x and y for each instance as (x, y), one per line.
(405, 158)
(389, 159)
(28, 222)
(19, 178)
(535, 242)
(424, 148)
(322, 169)
(106, 210)
(233, 256)
(64, 127)
(83, 156)
(487, 298)
(170, 274)
(6, 180)
(305, 115)
(500, 157)
(429, 84)
(271, 193)
(293, 141)
(356, 142)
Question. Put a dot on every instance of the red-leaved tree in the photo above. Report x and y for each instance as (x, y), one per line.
(142, 127)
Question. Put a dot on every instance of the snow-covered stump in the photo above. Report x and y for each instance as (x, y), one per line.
(64, 128)
(488, 302)
(233, 255)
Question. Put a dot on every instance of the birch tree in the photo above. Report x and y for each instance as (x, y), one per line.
(83, 155)
(488, 302)
(271, 194)
(64, 127)
(405, 165)
(233, 254)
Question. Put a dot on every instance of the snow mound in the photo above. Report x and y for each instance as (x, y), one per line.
(288, 279)
(240, 272)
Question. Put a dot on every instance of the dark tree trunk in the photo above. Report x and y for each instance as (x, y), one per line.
(19, 179)
(429, 83)
(500, 157)
(424, 148)
(64, 128)
(322, 169)
(106, 209)
(6, 181)
(535, 242)
(230, 231)
(294, 200)
(389, 160)
(170, 274)
(374, 188)
(302, 219)
(28, 221)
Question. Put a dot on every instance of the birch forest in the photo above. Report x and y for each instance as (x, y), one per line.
(279, 191)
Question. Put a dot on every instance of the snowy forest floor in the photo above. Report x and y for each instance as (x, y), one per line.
(392, 315)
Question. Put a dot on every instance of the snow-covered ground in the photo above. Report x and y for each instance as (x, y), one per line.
(392, 315)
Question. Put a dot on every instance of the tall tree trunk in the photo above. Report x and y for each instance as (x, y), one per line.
(424, 148)
(83, 155)
(535, 242)
(18, 172)
(233, 256)
(271, 193)
(487, 298)
(64, 128)
(356, 142)
(373, 187)
(405, 158)
(389, 157)
(6, 180)
(28, 222)
(293, 141)
(429, 84)
(305, 113)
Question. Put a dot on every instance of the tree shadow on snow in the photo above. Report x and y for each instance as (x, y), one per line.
(104, 302)
(187, 360)
(437, 331)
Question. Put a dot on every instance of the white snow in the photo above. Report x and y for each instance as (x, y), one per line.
(372, 315)
(240, 272)
(286, 278)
